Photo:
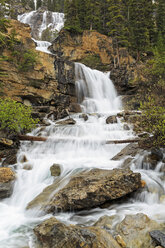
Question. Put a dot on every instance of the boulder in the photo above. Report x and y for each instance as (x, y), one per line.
(6, 182)
(84, 116)
(69, 121)
(111, 119)
(129, 150)
(156, 154)
(134, 230)
(10, 156)
(54, 234)
(89, 189)
(151, 160)
(158, 237)
(55, 170)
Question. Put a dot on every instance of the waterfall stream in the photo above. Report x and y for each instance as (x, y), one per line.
(53, 22)
(80, 146)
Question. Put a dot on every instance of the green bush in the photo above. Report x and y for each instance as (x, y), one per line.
(15, 117)
(154, 120)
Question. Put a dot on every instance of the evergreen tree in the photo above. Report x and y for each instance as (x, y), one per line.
(139, 20)
(72, 22)
(160, 16)
(117, 26)
(93, 15)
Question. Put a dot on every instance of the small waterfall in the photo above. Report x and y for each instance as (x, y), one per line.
(95, 91)
(79, 146)
(50, 22)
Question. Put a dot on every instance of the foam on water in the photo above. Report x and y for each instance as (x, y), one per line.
(75, 148)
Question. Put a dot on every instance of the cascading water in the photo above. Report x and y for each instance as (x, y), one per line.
(76, 147)
(41, 21)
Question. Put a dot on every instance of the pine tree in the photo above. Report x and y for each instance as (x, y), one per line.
(72, 22)
(160, 16)
(117, 26)
(93, 15)
(139, 19)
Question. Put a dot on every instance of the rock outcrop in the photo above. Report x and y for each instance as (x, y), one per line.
(88, 189)
(6, 182)
(54, 234)
(90, 48)
(49, 83)
(134, 230)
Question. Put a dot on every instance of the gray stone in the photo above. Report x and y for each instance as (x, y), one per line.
(111, 119)
(55, 170)
(134, 230)
(69, 121)
(158, 237)
(54, 234)
(88, 189)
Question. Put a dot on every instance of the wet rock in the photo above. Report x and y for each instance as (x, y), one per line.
(75, 108)
(106, 222)
(111, 119)
(28, 167)
(6, 182)
(126, 127)
(120, 241)
(84, 116)
(134, 230)
(89, 189)
(55, 170)
(5, 143)
(156, 154)
(129, 150)
(127, 163)
(23, 159)
(148, 162)
(10, 157)
(54, 234)
(69, 121)
(158, 237)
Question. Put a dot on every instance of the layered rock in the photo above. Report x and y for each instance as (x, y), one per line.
(50, 82)
(54, 234)
(90, 48)
(88, 189)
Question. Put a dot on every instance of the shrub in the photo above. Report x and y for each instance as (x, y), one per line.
(154, 120)
(15, 116)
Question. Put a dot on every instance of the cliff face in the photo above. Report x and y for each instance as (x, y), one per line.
(90, 48)
(45, 84)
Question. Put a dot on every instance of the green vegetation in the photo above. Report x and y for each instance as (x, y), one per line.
(154, 119)
(15, 117)
(134, 24)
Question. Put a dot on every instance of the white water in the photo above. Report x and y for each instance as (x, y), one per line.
(80, 146)
(52, 20)
(42, 46)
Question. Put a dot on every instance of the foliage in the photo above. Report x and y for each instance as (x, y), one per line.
(15, 116)
(26, 59)
(154, 119)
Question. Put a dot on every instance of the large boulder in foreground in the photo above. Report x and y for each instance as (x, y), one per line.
(89, 189)
(134, 230)
(54, 234)
(6, 182)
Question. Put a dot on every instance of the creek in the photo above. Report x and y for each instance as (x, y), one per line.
(80, 146)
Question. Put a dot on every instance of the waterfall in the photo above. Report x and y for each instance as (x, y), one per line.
(80, 146)
(53, 22)
(95, 91)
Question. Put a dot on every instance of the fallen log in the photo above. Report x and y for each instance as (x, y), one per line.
(122, 141)
(39, 138)
(31, 138)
